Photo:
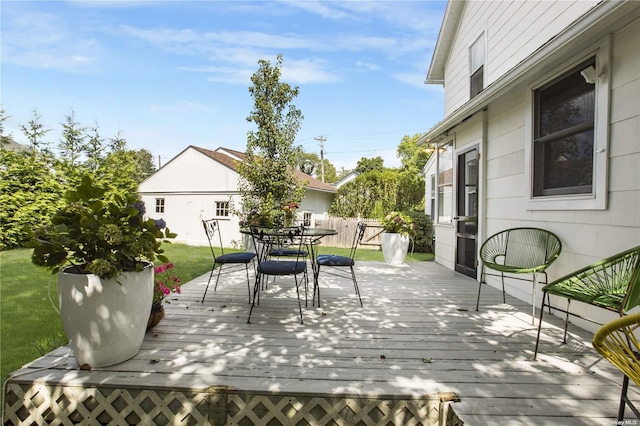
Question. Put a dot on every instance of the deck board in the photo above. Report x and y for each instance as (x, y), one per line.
(417, 334)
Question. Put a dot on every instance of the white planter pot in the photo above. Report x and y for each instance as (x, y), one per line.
(394, 248)
(104, 320)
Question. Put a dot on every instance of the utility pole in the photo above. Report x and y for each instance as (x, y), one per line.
(321, 139)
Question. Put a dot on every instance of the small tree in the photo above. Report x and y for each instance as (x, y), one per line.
(267, 176)
(34, 131)
(30, 192)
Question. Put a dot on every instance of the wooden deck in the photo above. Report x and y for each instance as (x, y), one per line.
(416, 339)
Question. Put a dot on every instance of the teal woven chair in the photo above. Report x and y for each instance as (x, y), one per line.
(612, 284)
(519, 251)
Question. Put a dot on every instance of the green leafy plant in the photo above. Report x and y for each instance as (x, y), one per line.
(398, 223)
(102, 237)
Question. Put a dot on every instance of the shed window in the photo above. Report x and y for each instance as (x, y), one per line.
(159, 205)
(222, 208)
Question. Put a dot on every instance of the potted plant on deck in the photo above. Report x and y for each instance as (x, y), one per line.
(102, 249)
(164, 284)
(397, 229)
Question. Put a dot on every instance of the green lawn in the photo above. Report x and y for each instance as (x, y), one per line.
(29, 324)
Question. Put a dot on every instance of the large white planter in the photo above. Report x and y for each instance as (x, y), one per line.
(394, 248)
(104, 320)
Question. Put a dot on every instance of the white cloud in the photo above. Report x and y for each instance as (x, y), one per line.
(303, 71)
(43, 40)
(413, 79)
(307, 71)
(367, 65)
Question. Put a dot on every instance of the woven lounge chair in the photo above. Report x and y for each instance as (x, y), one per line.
(519, 251)
(618, 344)
(612, 284)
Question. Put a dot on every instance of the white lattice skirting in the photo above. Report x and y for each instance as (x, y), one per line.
(38, 404)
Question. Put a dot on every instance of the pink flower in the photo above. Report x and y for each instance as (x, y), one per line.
(164, 283)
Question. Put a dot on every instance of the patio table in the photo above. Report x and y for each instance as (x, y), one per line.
(312, 237)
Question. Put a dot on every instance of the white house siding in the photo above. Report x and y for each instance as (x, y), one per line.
(184, 213)
(513, 31)
(190, 184)
(586, 235)
(315, 202)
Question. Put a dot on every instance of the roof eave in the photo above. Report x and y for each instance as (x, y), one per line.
(592, 26)
(447, 33)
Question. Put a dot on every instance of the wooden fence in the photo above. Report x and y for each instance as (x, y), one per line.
(346, 230)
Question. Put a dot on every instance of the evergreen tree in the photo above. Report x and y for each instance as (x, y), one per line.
(34, 131)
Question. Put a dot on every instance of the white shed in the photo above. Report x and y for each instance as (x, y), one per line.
(199, 184)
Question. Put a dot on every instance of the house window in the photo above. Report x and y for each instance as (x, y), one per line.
(476, 65)
(563, 144)
(445, 183)
(306, 216)
(432, 197)
(567, 130)
(159, 205)
(222, 208)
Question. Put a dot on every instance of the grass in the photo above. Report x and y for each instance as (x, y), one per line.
(29, 323)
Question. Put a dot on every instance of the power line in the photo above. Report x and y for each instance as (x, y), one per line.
(362, 150)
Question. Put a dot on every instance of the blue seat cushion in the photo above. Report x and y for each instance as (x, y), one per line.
(288, 252)
(242, 257)
(281, 267)
(334, 260)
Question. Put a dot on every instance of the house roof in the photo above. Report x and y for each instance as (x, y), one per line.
(598, 22)
(11, 145)
(450, 22)
(229, 158)
(346, 178)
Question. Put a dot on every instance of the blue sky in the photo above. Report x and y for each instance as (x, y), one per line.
(170, 74)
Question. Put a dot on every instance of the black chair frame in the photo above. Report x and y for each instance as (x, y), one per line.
(230, 262)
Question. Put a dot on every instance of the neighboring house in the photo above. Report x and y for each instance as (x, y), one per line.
(541, 128)
(11, 145)
(201, 184)
(346, 178)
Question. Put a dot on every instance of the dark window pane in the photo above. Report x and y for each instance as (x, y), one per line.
(566, 105)
(565, 163)
(563, 135)
(477, 80)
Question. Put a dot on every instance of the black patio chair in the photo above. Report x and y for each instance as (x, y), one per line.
(232, 261)
(335, 265)
(267, 239)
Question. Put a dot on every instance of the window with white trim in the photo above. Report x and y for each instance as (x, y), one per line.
(159, 205)
(445, 183)
(476, 67)
(564, 117)
(222, 208)
(306, 217)
(568, 129)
